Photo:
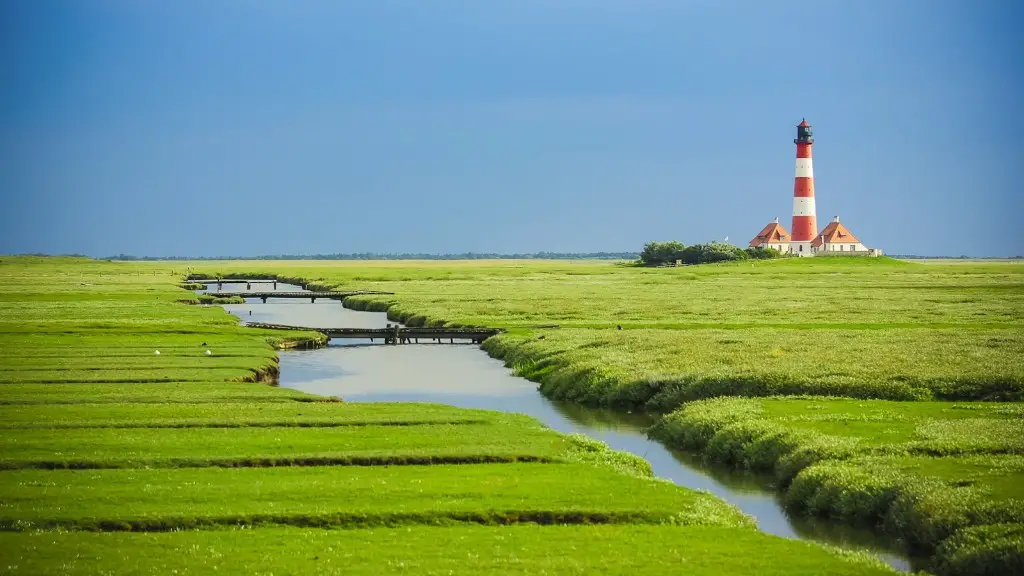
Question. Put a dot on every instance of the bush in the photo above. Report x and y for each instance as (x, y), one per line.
(712, 252)
(655, 253)
(763, 253)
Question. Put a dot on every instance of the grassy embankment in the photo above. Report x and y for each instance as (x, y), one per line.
(115, 459)
(867, 329)
(932, 473)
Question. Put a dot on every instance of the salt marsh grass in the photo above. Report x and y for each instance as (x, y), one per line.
(923, 471)
(100, 435)
(867, 329)
(477, 550)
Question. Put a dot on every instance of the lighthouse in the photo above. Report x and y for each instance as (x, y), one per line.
(805, 225)
(835, 239)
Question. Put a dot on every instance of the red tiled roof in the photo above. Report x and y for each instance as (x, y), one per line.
(833, 233)
(773, 232)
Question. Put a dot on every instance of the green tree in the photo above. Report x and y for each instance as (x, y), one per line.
(763, 253)
(655, 253)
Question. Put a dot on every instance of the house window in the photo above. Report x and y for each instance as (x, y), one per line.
(801, 247)
(853, 248)
(840, 247)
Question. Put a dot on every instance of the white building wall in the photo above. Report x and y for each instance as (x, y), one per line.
(783, 247)
(844, 247)
(800, 249)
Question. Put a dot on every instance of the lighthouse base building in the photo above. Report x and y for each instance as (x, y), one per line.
(772, 236)
(836, 238)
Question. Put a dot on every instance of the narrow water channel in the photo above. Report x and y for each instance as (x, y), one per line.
(462, 375)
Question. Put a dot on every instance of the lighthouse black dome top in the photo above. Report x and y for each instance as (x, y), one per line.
(804, 134)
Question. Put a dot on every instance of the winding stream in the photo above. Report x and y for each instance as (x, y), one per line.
(462, 375)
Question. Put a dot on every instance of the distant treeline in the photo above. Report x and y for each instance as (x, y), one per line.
(403, 256)
(658, 253)
(961, 257)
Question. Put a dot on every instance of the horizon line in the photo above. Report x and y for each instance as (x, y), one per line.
(370, 256)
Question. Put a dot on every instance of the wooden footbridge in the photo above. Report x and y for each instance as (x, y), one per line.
(394, 334)
(221, 281)
(311, 295)
(233, 281)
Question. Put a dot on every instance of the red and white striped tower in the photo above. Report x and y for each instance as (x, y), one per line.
(805, 225)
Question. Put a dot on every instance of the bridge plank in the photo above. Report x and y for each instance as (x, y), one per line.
(283, 294)
(476, 334)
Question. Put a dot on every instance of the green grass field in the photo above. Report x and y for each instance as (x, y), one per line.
(521, 549)
(922, 470)
(272, 444)
(212, 468)
(866, 329)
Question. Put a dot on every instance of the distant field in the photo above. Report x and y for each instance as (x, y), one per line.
(211, 468)
(863, 327)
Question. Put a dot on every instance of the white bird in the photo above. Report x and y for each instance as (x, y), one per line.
(208, 353)
(157, 352)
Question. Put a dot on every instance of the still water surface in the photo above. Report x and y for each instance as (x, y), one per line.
(462, 375)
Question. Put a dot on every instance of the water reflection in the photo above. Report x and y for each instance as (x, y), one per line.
(460, 375)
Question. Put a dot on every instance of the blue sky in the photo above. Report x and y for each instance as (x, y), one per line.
(236, 127)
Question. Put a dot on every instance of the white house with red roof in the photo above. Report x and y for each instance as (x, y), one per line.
(772, 236)
(836, 238)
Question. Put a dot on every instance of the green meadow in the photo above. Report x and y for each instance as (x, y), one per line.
(880, 392)
(517, 549)
(116, 459)
(864, 328)
(922, 470)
